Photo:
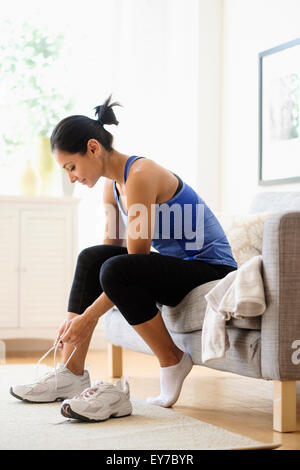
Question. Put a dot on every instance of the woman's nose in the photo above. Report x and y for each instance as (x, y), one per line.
(72, 178)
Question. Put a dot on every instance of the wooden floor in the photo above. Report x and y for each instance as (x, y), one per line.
(238, 404)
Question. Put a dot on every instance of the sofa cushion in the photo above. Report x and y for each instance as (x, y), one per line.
(188, 315)
(243, 356)
(275, 201)
(244, 233)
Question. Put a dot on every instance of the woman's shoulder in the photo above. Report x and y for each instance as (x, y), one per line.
(144, 171)
(144, 165)
(150, 173)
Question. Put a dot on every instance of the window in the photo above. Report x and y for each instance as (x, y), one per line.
(54, 62)
(61, 57)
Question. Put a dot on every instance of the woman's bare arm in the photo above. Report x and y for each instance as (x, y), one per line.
(114, 229)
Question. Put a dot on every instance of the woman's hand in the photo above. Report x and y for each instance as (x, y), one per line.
(77, 330)
(63, 328)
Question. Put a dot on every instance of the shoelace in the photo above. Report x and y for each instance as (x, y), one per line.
(96, 387)
(100, 385)
(55, 366)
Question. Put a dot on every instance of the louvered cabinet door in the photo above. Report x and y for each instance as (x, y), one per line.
(46, 267)
(9, 267)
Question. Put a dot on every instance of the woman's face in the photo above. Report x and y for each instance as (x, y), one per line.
(87, 168)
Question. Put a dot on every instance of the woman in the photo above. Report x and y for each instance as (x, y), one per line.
(161, 211)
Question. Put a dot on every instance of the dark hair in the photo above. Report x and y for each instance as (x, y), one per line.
(73, 133)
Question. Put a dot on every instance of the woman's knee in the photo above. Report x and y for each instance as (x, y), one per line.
(92, 253)
(113, 270)
(87, 254)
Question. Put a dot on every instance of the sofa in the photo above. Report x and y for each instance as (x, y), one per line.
(265, 347)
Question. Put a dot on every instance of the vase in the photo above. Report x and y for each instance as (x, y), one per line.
(45, 165)
(29, 180)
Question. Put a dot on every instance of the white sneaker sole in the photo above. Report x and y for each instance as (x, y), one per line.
(47, 400)
(67, 412)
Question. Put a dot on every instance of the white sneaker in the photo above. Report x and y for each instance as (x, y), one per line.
(56, 385)
(100, 402)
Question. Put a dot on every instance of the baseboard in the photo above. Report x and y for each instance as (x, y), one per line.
(40, 344)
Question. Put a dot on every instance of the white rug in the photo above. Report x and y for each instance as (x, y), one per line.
(41, 426)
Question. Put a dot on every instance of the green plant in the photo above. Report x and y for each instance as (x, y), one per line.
(33, 101)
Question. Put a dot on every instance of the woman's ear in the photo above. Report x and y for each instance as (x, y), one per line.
(93, 145)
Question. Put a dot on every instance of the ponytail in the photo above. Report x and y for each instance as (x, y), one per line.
(73, 133)
(105, 113)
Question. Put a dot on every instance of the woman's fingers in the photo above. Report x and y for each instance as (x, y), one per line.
(58, 338)
(74, 332)
(62, 331)
(67, 336)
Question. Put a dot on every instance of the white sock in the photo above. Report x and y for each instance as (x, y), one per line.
(171, 380)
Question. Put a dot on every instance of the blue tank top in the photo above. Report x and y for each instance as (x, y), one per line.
(185, 227)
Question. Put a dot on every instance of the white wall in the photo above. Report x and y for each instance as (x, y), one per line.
(209, 102)
(249, 27)
(164, 68)
(167, 76)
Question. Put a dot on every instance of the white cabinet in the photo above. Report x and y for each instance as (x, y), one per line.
(9, 264)
(38, 251)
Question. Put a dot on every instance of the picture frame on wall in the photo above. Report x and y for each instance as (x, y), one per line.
(279, 114)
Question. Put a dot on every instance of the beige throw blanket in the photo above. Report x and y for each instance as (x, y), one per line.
(239, 294)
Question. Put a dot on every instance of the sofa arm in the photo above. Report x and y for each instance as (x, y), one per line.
(280, 327)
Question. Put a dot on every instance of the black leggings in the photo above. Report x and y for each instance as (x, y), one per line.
(134, 283)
